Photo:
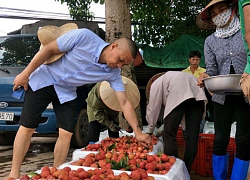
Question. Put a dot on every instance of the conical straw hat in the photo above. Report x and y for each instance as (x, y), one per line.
(47, 34)
(109, 97)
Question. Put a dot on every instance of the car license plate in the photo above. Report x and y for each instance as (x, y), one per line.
(6, 116)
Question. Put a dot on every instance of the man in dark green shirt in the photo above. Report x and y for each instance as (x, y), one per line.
(103, 108)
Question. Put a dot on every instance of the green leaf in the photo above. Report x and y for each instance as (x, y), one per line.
(113, 146)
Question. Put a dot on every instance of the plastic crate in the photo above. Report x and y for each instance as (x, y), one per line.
(179, 137)
(202, 164)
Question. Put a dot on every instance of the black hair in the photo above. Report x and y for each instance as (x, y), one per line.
(194, 53)
(132, 47)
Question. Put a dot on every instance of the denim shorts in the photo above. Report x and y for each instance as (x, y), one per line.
(36, 102)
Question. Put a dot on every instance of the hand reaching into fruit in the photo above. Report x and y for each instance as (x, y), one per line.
(143, 139)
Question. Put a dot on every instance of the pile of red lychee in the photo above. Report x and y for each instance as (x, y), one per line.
(123, 144)
(155, 164)
(104, 173)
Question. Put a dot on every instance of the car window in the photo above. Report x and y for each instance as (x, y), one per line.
(18, 50)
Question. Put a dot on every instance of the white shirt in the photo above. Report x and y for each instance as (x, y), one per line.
(170, 90)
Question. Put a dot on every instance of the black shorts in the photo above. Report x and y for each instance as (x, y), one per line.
(36, 102)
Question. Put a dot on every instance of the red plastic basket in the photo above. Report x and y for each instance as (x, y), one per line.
(202, 164)
(179, 137)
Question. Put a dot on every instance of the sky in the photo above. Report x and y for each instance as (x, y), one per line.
(9, 25)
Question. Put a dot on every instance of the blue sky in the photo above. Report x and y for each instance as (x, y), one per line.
(9, 25)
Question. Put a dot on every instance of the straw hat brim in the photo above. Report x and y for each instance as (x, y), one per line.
(151, 80)
(203, 20)
(47, 34)
(110, 99)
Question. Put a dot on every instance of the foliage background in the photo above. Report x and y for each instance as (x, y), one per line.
(155, 22)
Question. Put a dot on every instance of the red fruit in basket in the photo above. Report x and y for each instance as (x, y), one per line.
(88, 161)
(75, 178)
(44, 174)
(131, 156)
(67, 169)
(102, 163)
(142, 164)
(97, 146)
(64, 177)
(48, 177)
(167, 165)
(150, 166)
(136, 175)
(36, 177)
(24, 177)
(143, 173)
(150, 158)
(160, 167)
(53, 169)
(45, 168)
(94, 165)
(132, 162)
(108, 155)
(99, 156)
(143, 155)
(95, 177)
(108, 165)
(132, 167)
(164, 157)
(172, 159)
(83, 175)
(73, 173)
(76, 163)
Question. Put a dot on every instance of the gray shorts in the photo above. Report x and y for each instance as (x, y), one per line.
(36, 102)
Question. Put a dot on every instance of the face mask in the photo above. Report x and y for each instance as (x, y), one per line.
(222, 19)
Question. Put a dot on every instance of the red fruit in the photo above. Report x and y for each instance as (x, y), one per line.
(142, 164)
(132, 162)
(144, 173)
(67, 169)
(80, 170)
(150, 166)
(132, 167)
(75, 178)
(53, 169)
(102, 163)
(48, 177)
(172, 159)
(150, 158)
(44, 174)
(45, 168)
(99, 156)
(96, 146)
(83, 175)
(108, 155)
(24, 177)
(164, 157)
(95, 177)
(143, 155)
(160, 167)
(135, 175)
(73, 173)
(36, 177)
(167, 165)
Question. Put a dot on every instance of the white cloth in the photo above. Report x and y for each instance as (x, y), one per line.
(170, 90)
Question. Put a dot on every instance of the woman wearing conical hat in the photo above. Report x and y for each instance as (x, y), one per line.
(224, 54)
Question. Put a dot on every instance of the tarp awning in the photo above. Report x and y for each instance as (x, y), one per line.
(175, 54)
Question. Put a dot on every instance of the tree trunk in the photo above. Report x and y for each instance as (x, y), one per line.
(118, 24)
